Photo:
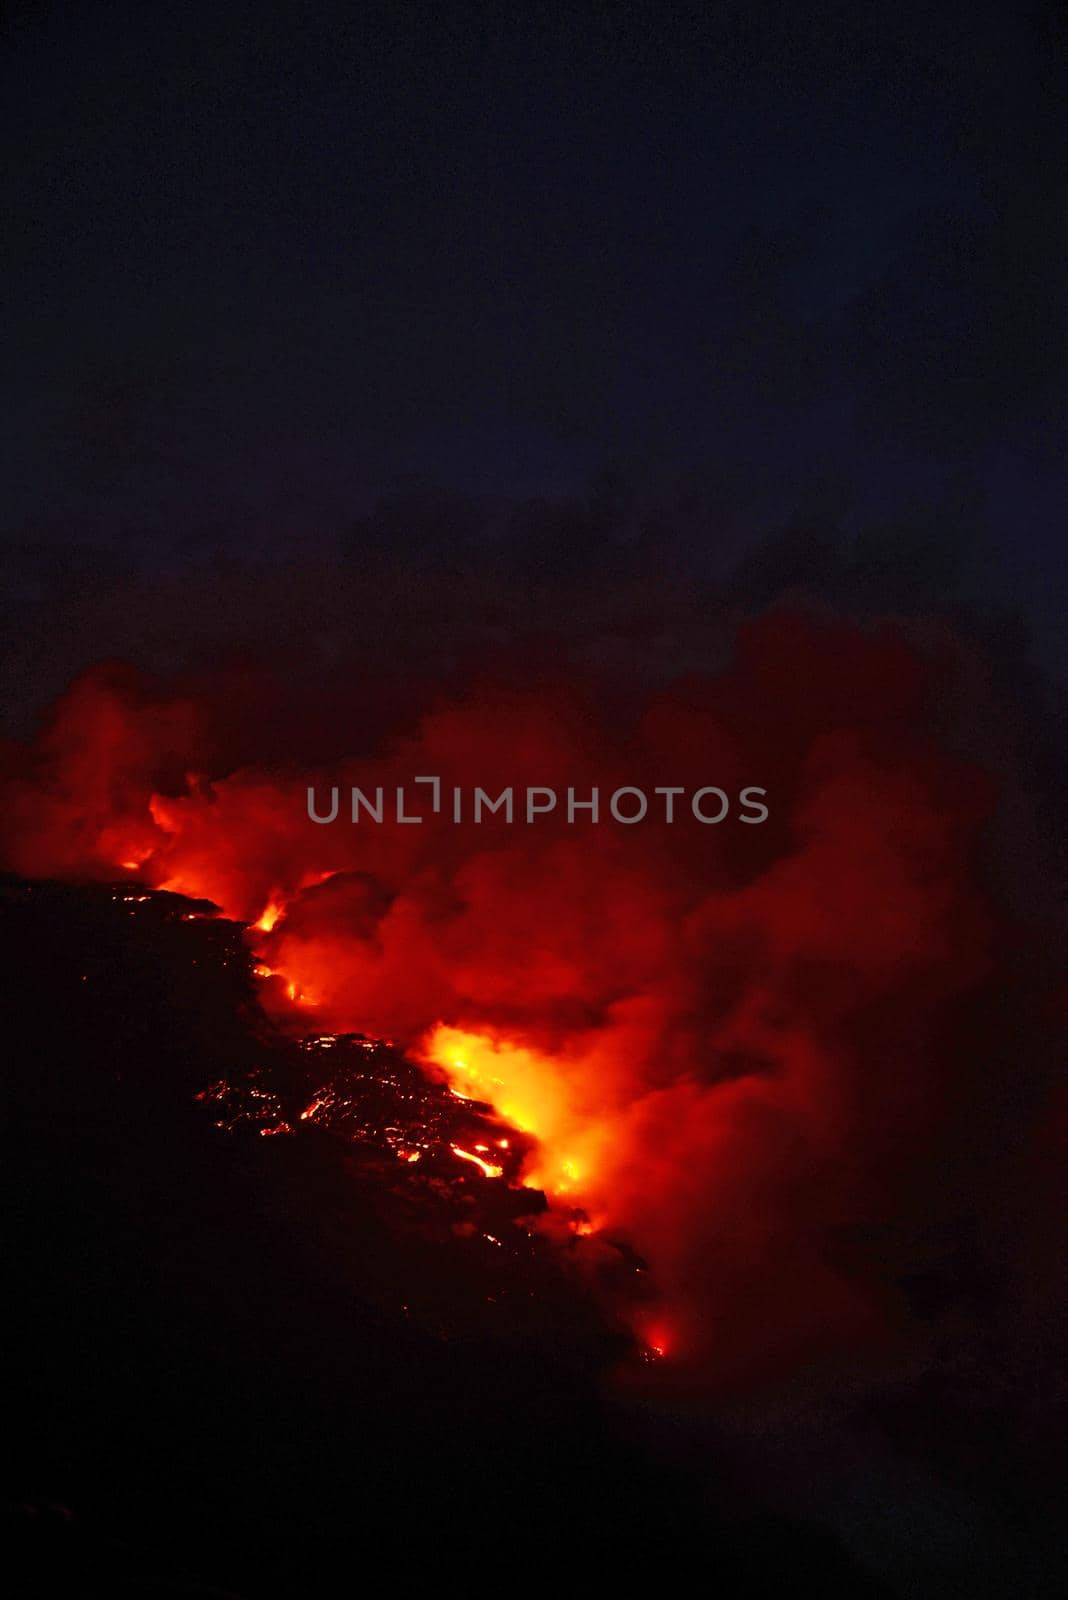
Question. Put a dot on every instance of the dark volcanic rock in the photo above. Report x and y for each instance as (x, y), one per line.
(252, 1358)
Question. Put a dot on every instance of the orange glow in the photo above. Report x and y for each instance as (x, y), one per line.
(178, 883)
(537, 1093)
(694, 1029)
(299, 996)
(134, 855)
(487, 1168)
(270, 915)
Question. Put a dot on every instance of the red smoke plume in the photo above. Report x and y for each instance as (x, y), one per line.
(743, 1049)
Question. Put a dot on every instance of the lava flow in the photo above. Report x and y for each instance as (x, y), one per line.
(739, 1049)
(530, 1091)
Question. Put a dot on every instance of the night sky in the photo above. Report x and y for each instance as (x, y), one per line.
(282, 282)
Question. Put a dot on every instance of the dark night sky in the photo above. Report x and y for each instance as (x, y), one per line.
(743, 264)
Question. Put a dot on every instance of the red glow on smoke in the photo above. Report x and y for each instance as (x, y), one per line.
(728, 1043)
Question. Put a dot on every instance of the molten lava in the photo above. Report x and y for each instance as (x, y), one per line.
(485, 1167)
(266, 921)
(531, 1091)
(725, 1045)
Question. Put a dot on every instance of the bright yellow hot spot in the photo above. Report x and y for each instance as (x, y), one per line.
(270, 916)
(487, 1167)
(533, 1091)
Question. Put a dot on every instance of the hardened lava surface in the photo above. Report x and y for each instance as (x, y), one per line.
(280, 1306)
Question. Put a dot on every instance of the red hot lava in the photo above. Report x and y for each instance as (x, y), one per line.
(735, 1047)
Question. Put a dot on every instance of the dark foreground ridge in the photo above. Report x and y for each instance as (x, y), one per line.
(259, 1349)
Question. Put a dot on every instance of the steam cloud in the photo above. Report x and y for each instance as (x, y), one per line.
(800, 1068)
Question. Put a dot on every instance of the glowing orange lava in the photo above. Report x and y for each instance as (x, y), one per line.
(699, 1031)
(489, 1170)
(531, 1090)
(270, 915)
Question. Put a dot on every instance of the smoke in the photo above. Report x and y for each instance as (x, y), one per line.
(784, 1064)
